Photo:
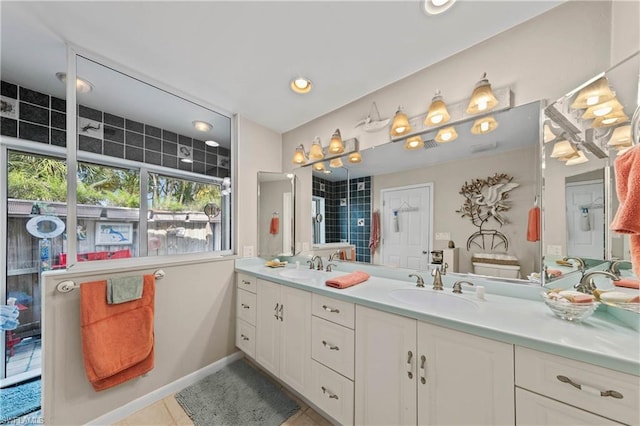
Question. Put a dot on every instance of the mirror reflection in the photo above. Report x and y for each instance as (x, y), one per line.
(276, 215)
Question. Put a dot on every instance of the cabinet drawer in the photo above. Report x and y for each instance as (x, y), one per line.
(542, 373)
(333, 345)
(246, 306)
(246, 337)
(246, 282)
(343, 313)
(332, 393)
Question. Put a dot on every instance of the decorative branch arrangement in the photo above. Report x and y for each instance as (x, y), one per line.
(486, 199)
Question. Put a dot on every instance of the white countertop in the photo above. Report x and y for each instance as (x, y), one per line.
(600, 339)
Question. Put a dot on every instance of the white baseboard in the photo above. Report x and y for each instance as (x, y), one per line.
(126, 410)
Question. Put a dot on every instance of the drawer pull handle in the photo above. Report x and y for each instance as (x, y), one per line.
(589, 389)
(423, 373)
(245, 306)
(276, 311)
(244, 337)
(410, 364)
(281, 312)
(246, 282)
(332, 310)
(331, 395)
(330, 346)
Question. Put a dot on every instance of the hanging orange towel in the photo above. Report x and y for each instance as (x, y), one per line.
(117, 340)
(627, 282)
(627, 218)
(344, 281)
(533, 227)
(374, 238)
(274, 228)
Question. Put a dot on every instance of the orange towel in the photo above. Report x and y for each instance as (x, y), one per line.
(117, 340)
(374, 238)
(274, 228)
(533, 227)
(344, 281)
(627, 282)
(627, 218)
(554, 273)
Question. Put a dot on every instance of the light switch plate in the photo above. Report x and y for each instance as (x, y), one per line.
(247, 251)
(446, 236)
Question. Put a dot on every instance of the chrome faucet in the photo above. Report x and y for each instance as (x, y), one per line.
(437, 280)
(312, 263)
(613, 268)
(443, 270)
(587, 284)
(334, 255)
(578, 260)
(457, 286)
(419, 280)
(329, 266)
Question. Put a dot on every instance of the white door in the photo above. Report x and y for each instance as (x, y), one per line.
(385, 385)
(268, 326)
(585, 219)
(295, 335)
(406, 222)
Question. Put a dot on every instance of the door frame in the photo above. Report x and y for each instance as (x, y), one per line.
(605, 242)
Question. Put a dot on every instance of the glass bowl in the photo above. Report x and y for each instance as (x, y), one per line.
(569, 311)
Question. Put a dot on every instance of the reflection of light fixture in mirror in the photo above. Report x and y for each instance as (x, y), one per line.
(484, 125)
(315, 153)
(202, 126)
(355, 157)
(299, 157)
(563, 148)
(150, 216)
(595, 93)
(437, 113)
(211, 143)
(547, 133)
(336, 146)
(300, 85)
(187, 218)
(482, 98)
(602, 109)
(448, 134)
(579, 159)
(612, 119)
(336, 162)
(621, 137)
(400, 125)
(319, 167)
(414, 142)
(82, 85)
(434, 7)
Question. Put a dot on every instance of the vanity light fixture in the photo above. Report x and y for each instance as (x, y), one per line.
(349, 149)
(355, 157)
(336, 146)
(611, 119)
(202, 126)
(414, 142)
(82, 85)
(600, 110)
(484, 125)
(620, 138)
(437, 113)
(300, 157)
(593, 94)
(448, 134)
(211, 143)
(336, 162)
(315, 153)
(482, 99)
(563, 148)
(579, 159)
(300, 85)
(434, 7)
(400, 125)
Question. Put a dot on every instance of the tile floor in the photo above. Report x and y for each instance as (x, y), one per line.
(27, 356)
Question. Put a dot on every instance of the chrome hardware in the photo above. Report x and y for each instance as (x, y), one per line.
(443, 271)
(311, 264)
(332, 310)
(244, 337)
(578, 260)
(437, 280)
(245, 306)
(589, 389)
(613, 268)
(419, 280)
(281, 312)
(331, 395)
(319, 259)
(457, 286)
(410, 364)
(330, 346)
(423, 373)
(69, 285)
(329, 266)
(587, 284)
(246, 282)
(334, 255)
(276, 310)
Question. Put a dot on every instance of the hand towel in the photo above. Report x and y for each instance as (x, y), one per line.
(124, 289)
(533, 227)
(554, 273)
(344, 281)
(374, 238)
(274, 227)
(627, 218)
(627, 282)
(117, 340)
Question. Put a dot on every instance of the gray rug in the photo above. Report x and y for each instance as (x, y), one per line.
(236, 395)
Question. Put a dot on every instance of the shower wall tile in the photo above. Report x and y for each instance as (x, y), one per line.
(169, 136)
(113, 149)
(8, 127)
(58, 120)
(113, 120)
(34, 114)
(90, 113)
(113, 134)
(33, 132)
(134, 154)
(170, 148)
(58, 104)
(33, 97)
(152, 144)
(9, 90)
(152, 157)
(58, 137)
(134, 125)
(134, 139)
(89, 144)
(152, 131)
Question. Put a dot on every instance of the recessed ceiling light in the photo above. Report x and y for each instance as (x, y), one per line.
(202, 126)
(211, 143)
(82, 85)
(434, 7)
(301, 85)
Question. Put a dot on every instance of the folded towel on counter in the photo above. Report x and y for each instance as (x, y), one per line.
(124, 289)
(344, 281)
(618, 297)
(533, 227)
(627, 282)
(117, 340)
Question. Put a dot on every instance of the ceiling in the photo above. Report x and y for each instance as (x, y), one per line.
(239, 56)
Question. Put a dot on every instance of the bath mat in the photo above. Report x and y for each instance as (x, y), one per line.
(236, 395)
(18, 400)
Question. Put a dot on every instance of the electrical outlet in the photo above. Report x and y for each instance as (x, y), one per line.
(554, 250)
(360, 221)
(247, 251)
(446, 236)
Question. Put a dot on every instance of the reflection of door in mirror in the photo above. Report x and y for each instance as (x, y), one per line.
(317, 220)
(585, 215)
(276, 195)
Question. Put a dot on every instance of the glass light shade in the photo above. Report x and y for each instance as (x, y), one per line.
(602, 109)
(299, 157)
(621, 137)
(319, 167)
(612, 119)
(437, 113)
(482, 99)
(563, 148)
(581, 158)
(315, 153)
(448, 134)
(595, 93)
(82, 85)
(434, 7)
(414, 142)
(300, 85)
(336, 162)
(336, 146)
(355, 157)
(202, 126)
(547, 134)
(484, 125)
(400, 125)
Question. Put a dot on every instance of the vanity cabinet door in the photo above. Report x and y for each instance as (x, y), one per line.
(463, 379)
(268, 326)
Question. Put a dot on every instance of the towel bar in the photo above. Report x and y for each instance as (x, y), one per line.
(69, 285)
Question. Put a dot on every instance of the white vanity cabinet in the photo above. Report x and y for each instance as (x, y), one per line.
(581, 393)
(246, 314)
(283, 333)
(409, 372)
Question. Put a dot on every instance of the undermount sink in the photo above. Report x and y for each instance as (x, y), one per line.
(302, 274)
(428, 299)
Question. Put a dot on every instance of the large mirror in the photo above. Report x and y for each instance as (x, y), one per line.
(581, 142)
(276, 214)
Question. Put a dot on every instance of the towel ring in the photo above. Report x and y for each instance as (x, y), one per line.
(69, 285)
